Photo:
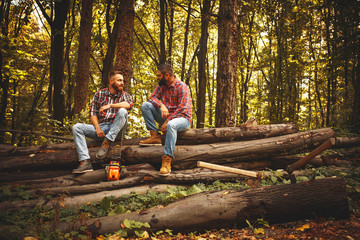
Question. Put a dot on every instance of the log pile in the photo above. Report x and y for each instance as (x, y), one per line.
(46, 170)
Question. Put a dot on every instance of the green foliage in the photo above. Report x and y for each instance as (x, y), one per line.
(130, 227)
(257, 226)
(13, 193)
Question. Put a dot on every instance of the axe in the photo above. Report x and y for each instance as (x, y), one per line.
(251, 174)
(290, 168)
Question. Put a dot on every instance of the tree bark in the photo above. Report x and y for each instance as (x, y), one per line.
(83, 62)
(57, 58)
(187, 156)
(226, 134)
(320, 198)
(227, 64)
(123, 60)
(201, 99)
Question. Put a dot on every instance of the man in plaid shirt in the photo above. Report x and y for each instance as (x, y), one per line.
(108, 114)
(170, 106)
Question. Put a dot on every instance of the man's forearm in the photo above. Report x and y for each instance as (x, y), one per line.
(95, 121)
(124, 104)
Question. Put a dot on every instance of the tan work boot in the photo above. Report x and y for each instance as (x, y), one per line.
(154, 140)
(103, 151)
(165, 169)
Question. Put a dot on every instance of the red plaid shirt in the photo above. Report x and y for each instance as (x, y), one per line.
(104, 97)
(176, 98)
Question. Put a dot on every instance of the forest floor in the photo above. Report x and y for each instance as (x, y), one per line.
(319, 229)
(315, 229)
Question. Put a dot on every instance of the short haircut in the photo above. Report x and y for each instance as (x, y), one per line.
(112, 73)
(165, 68)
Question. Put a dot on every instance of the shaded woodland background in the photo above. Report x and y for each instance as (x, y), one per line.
(277, 61)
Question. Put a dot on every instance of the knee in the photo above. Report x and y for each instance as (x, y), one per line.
(145, 106)
(171, 126)
(122, 112)
(76, 127)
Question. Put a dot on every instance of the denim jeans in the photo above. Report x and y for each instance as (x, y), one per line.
(111, 130)
(152, 114)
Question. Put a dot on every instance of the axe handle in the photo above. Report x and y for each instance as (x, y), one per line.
(227, 169)
(326, 145)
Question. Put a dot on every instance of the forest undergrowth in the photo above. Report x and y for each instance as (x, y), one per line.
(37, 223)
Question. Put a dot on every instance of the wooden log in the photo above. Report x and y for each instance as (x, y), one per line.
(77, 201)
(346, 142)
(191, 136)
(70, 179)
(221, 153)
(229, 134)
(318, 198)
(7, 150)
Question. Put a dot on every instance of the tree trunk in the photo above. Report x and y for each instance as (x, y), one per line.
(162, 32)
(316, 198)
(83, 62)
(186, 34)
(123, 61)
(201, 98)
(187, 156)
(227, 64)
(57, 58)
(109, 57)
(356, 99)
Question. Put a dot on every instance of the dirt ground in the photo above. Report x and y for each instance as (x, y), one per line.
(320, 229)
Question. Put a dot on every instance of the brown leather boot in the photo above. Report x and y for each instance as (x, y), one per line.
(154, 140)
(165, 169)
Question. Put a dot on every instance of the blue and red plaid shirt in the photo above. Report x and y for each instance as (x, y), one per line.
(104, 97)
(176, 98)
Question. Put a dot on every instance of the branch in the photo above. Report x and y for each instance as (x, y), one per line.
(48, 19)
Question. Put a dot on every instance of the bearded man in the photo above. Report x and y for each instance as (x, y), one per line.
(170, 106)
(108, 114)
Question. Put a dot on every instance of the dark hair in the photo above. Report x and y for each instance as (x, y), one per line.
(112, 73)
(165, 68)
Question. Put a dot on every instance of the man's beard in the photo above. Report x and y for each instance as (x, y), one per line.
(162, 82)
(117, 88)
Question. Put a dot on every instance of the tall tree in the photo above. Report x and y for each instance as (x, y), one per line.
(162, 32)
(57, 24)
(83, 61)
(227, 64)
(186, 35)
(201, 98)
(4, 77)
(113, 36)
(123, 53)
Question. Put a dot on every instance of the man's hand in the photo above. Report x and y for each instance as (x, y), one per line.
(104, 108)
(163, 127)
(164, 111)
(100, 133)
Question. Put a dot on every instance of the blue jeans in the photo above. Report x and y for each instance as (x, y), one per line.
(111, 130)
(152, 114)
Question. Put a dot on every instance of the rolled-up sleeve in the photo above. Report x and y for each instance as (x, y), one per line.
(155, 98)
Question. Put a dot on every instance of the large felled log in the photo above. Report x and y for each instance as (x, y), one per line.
(227, 134)
(187, 156)
(77, 201)
(7, 150)
(191, 136)
(318, 198)
(70, 179)
(346, 142)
